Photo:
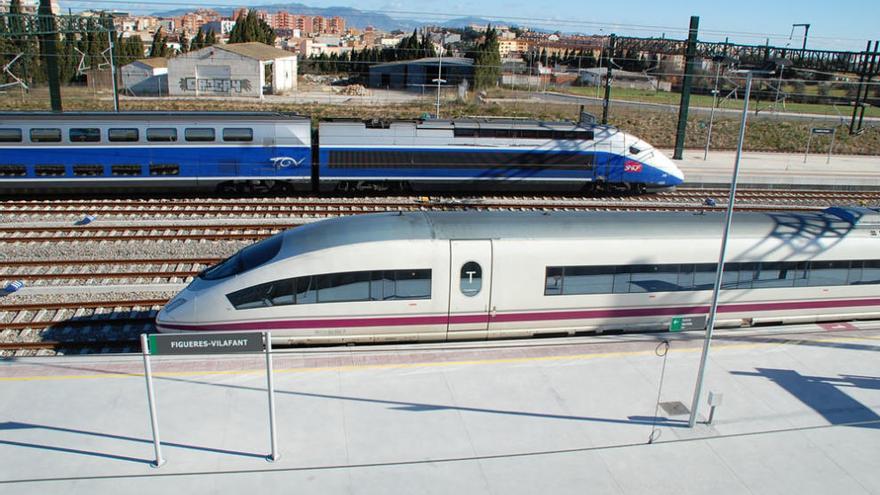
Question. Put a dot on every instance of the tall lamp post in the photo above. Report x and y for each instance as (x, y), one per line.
(713, 308)
(719, 60)
(439, 75)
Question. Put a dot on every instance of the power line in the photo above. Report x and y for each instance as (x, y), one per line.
(603, 25)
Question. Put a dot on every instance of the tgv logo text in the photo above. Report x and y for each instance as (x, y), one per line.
(286, 162)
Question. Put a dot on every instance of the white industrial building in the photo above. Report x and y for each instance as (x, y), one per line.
(240, 69)
(146, 77)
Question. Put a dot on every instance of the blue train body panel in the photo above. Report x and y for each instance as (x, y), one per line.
(287, 163)
(577, 166)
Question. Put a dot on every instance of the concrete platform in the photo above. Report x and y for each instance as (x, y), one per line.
(801, 414)
(780, 170)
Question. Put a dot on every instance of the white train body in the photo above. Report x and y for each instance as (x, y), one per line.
(476, 275)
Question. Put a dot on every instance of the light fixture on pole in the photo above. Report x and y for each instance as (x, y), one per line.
(713, 308)
(806, 32)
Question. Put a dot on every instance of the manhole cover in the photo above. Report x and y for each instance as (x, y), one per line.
(674, 408)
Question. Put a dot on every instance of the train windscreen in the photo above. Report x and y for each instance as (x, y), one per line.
(244, 260)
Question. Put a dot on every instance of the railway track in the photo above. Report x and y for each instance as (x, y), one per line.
(75, 326)
(97, 232)
(102, 271)
(275, 207)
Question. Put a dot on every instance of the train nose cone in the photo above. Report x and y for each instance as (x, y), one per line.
(181, 309)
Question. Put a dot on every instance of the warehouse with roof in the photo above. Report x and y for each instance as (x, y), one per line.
(418, 73)
(240, 69)
(146, 77)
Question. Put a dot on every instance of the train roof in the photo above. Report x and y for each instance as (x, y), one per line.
(156, 116)
(470, 123)
(622, 226)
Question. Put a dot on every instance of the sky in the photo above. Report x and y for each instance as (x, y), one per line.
(836, 25)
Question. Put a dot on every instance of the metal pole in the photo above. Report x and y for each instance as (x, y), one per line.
(439, 74)
(809, 140)
(690, 68)
(607, 102)
(113, 72)
(273, 433)
(712, 112)
(831, 147)
(713, 309)
(151, 399)
(49, 49)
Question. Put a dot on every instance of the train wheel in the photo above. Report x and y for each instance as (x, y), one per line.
(588, 188)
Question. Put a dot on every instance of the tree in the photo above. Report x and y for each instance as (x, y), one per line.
(487, 70)
(198, 41)
(159, 48)
(426, 47)
(184, 44)
(249, 27)
(210, 38)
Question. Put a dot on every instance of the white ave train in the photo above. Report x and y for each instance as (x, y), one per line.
(477, 275)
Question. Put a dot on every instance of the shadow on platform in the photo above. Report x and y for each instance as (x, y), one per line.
(426, 407)
(824, 394)
(12, 425)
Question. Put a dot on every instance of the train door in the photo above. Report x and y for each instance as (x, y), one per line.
(258, 159)
(470, 289)
(602, 161)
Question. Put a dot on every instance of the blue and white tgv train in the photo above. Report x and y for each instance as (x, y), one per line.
(482, 153)
(152, 151)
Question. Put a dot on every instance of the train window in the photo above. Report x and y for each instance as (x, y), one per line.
(410, 284)
(280, 292)
(164, 169)
(49, 170)
(10, 135)
(258, 296)
(199, 134)
(13, 170)
(655, 278)
(471, 279)
(88, 170)
(392, 285)
(306, 290)
(346, 286)
(704, 276)
(45, 135)
(865, 272)
(162, 134)
(465, 132)
(774, 275)
(828, 273)
(246, 259)
(626, 279)
(123, 135)
(553, 281)
(126, 170)
(238, 134)
(588, 280)
(84, 135)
